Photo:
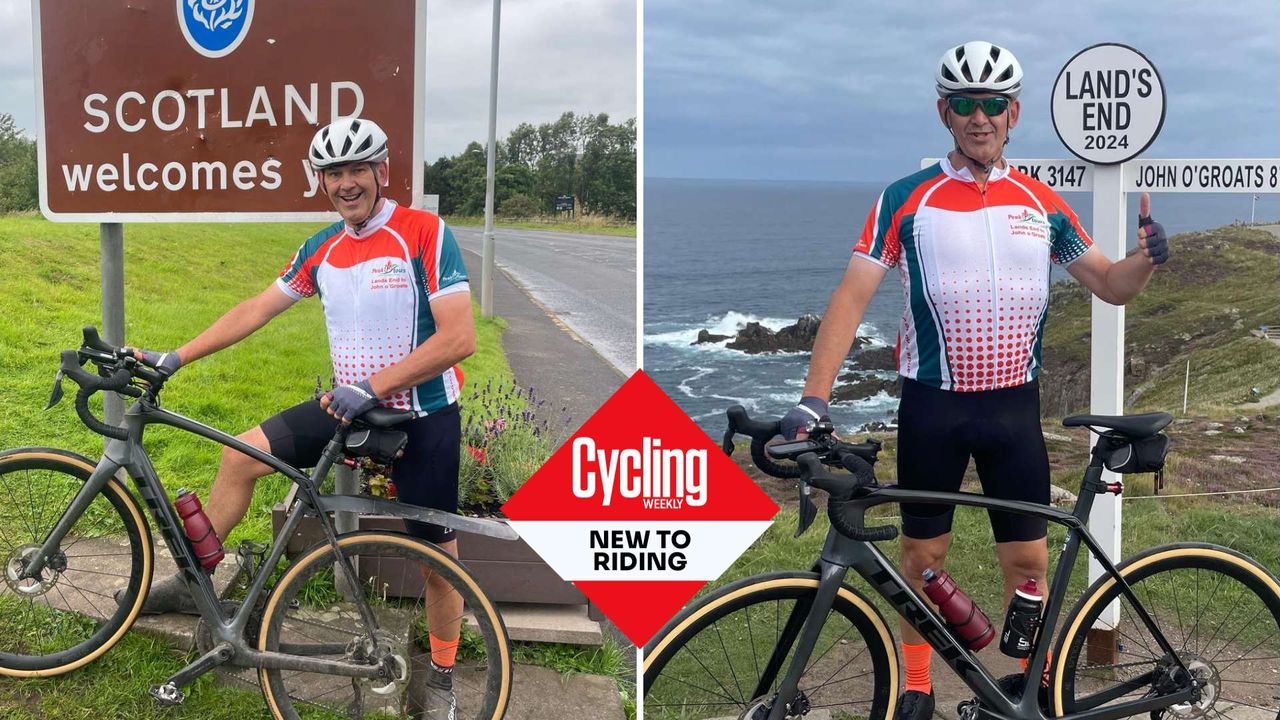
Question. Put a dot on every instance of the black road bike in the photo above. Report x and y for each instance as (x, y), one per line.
(1180, 632)
(331, 636)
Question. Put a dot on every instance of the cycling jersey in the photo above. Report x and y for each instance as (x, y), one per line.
(376, 286)
(975, 272)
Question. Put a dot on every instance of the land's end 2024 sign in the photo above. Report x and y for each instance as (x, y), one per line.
(164, 110)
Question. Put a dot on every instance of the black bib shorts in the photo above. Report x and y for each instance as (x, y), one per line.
(939, 430)
(427, 474)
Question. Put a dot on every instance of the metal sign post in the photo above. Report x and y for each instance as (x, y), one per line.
(111, 243)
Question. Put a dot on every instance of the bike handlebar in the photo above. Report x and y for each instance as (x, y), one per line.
(117, 368)
(811, 455)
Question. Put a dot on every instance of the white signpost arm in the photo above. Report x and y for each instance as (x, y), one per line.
(1106, 392)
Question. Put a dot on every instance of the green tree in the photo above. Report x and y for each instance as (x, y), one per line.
(581, 155)
(608, 171)
(19, 175)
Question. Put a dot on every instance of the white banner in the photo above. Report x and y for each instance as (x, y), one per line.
(636, 551)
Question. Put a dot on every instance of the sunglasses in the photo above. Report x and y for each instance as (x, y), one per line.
(966, 106)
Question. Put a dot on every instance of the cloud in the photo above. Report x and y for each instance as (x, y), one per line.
(783, 90)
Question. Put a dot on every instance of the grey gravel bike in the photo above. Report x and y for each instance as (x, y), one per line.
(332, 635)
(1185, 631)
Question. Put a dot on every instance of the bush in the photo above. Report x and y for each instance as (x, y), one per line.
(19, 177)
(519, 206)
(506, 436)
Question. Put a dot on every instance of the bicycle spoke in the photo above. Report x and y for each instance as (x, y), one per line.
(682, 681)
(1208, 604)
(728, 659)
(814, 661)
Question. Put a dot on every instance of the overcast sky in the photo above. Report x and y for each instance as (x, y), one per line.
(556, 55)
(826, 90)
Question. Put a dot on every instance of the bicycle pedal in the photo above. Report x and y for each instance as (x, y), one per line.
(968, 709)
(167, 694)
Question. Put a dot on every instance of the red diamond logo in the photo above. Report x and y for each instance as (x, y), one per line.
(639, 509)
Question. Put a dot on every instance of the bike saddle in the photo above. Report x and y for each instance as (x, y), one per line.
(1134, 426)
(381, 417)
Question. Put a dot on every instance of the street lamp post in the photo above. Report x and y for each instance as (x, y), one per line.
(487, 267)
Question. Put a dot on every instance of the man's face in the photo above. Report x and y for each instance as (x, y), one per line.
(979, 135)
(353, 189)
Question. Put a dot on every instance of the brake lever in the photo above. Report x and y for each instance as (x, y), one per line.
(808, 511)
(727, 443)
(56, 396)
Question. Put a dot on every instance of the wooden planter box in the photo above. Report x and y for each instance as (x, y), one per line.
(508, 571)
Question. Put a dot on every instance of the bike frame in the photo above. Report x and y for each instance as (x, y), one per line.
(840, 553)
(228, 632)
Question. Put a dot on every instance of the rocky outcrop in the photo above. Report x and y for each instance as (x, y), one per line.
(706, 336)
(859, 386)
(755, 339)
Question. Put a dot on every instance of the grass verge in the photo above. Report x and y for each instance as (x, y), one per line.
(588, 224)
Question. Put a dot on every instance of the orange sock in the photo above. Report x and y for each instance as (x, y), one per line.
(443, 652)
(1044, 680)
(917, 659)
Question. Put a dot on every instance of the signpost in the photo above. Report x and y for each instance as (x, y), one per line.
(168, 130)
(210, 118)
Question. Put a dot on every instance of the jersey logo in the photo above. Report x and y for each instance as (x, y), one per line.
(453, 277)
(1029, 224)
(391, 268)
(214, 28)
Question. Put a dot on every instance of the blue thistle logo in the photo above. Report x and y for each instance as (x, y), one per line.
(214, 28)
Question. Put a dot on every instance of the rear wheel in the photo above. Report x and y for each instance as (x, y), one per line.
(726, 656)
(311, 614)
(1218, 609)
(67, 616)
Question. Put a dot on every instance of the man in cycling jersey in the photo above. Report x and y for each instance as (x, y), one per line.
(973, 239)
(397, 308)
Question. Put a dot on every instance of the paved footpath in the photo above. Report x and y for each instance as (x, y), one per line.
(537, 693)
(544, 353)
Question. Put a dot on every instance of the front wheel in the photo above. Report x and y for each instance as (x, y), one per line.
(312, 614)
(67, 616)
(1219, 610)
(726, 656)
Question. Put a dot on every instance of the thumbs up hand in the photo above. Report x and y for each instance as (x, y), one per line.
(1151, 237)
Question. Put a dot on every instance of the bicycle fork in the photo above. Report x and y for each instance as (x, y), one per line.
(808, 622)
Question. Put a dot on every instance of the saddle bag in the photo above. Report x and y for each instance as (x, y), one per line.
(381, 446)
(1137, 456)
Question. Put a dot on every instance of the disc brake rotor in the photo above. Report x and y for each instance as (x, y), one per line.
(1209, 681)
(384, 650)
(37, 586)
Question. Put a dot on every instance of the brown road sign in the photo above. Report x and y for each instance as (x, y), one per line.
(195, 110)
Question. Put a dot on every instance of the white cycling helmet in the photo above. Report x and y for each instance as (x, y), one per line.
(979, 66)
(347, 140)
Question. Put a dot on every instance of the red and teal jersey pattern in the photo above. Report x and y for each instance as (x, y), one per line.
(376, 287)
(975, 272)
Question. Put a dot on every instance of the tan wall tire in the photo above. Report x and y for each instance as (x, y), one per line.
(1209, 601)
(688, 675)
(56, 629)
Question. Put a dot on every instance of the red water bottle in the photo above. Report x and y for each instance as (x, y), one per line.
(963, 616)
(203, 538)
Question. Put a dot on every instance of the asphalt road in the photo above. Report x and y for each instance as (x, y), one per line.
(588, 282)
